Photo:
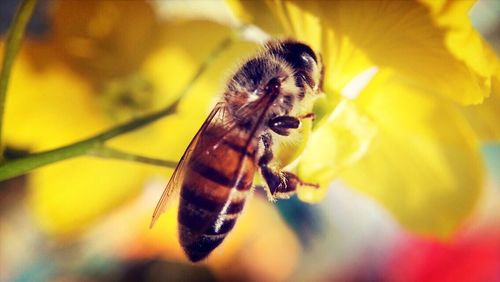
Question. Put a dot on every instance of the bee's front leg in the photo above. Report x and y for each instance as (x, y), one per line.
(282, 184)
(282, 124)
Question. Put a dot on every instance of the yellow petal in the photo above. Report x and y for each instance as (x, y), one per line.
(463, 40)
(351, 133)
(98, 39)
(170, 69)
(69, 195)
(89, 44)
(402, 142)
(100, 184)
(485, 118)
(49, 107)
(400, 35)
(424, 164)
(256, 12)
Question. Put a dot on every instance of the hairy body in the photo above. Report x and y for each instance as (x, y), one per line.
(264, 104)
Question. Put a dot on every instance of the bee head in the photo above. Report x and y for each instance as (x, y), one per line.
(285, 72)
(302, 59)
(259, 77)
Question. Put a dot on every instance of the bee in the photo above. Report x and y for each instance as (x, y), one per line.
(263, 105)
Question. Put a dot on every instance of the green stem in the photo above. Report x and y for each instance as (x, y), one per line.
(94, 145)
(20, 166)
(13, 42)
(111, 153)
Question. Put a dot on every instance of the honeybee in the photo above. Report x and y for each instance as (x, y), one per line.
(263, 104)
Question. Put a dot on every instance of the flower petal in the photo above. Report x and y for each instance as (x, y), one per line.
(351, 134)
(98, 39)
(256, 12)
(37, 101)
(485, 118)
(462, 39)
(401, 35)
(424, 164)
(84, 189)
(67, 196)
(170, 69)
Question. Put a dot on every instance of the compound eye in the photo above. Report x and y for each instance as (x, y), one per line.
(273, 86)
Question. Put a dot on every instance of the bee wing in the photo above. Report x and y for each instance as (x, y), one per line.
(178, 175)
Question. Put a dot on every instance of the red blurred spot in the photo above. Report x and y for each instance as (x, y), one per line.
(469, 257)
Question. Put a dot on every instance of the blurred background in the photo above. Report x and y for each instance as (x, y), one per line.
(83, 58)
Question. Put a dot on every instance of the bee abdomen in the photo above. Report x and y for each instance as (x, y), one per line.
(200, 248)
(231, 166)
(204, 222)
(213, 193)
(198, 210)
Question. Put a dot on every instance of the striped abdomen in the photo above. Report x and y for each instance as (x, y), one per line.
(211, 196)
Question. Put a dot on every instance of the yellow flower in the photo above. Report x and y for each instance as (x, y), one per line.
(96, 69)
(399, 77)
(401, 116)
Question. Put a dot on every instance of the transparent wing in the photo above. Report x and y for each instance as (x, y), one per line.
(257, 108)
(175, 181)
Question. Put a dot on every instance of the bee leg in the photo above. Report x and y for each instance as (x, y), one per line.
(272, 178)
(311, 115)
(282, 124)
(282, 184)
